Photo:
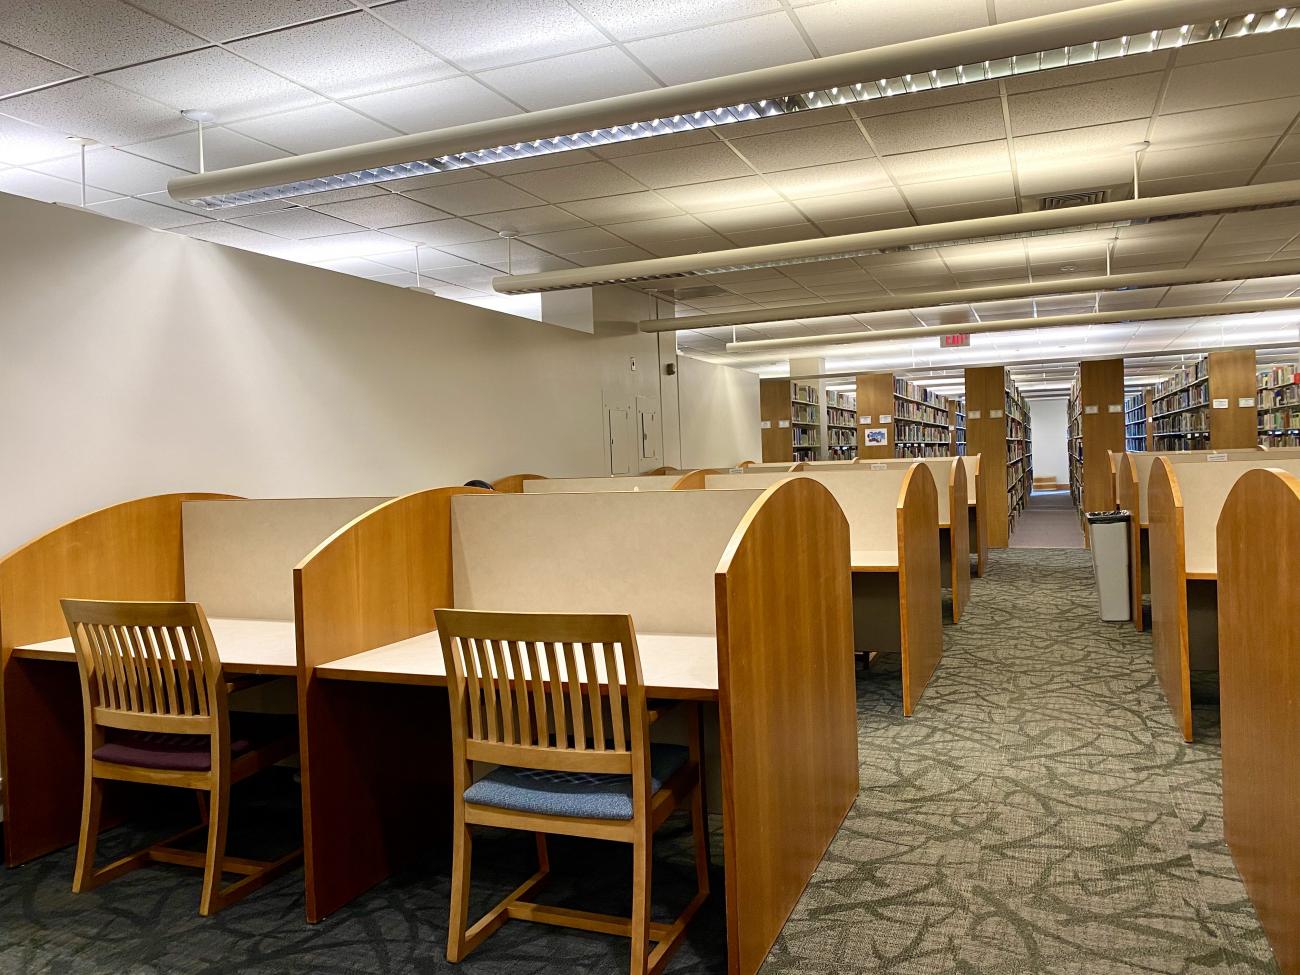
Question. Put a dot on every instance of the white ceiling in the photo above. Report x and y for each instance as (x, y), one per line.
(291, 76)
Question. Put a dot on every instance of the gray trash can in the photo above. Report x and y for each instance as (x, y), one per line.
(1108, 531)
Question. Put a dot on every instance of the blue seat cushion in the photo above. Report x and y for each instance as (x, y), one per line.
(587, 795)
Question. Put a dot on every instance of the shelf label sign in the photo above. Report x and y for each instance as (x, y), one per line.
(880, 467)
(765, 425)
(973, 415)
(1246, 401)
(995, 414)
(1217, 457)
(885, 417)
(958, 341)
(1114, 407)
(1221, 404)
(1092, 409)
(784, 424)
(865, 421)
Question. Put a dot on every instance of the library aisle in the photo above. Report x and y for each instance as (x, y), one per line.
(1039, 813)
(1050, 520)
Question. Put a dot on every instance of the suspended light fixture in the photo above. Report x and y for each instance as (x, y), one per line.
(1100, 33)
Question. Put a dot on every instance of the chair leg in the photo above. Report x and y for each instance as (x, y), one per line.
(642, 860)
(461, 857)
(700, 829)
(92, 803)
(543, 854)
(218, 818)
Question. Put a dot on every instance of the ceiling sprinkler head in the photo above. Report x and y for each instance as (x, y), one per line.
(79, 140)
(198, 115)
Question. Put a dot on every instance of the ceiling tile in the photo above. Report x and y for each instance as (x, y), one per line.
(1195, 184)
(756, 218)
(222, 20)
(818, 146)
(297, 223)
(934, 128)
(20, 71)
(574, 241)
(1073, 106)
(144, 213)
(629, 20)
(842, 206)
(1266, 119)
(114, 170)
(496, 253)
(480, 196)
(1194, 160)
(358, 266)
(661, 230)
(628, 206)
(867, 223)
(966, 189)
(615, 255)
(723, 194)
(365, 243)
(951, 163)
(340, 196)
(570, 79)
(21, 142)
(694, 164)
(436, 105)
(772, 235)
(106, 34)
(471, 34)
(849, 25)
(688, 245)
(326, 126)
(222, 148)
(38, 186)
(836, 178)
(1231, 82)
(378, 212)
(232, 235)
(344, 56)
(440, 233)
(531, 220)
(582, 182)
(710, 52)
(215, 81)
(96, 110)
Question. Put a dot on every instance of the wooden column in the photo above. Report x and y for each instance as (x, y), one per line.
(1101, 404)
(876, 399)
(1232, 382)
(986, 435)
(774, 410)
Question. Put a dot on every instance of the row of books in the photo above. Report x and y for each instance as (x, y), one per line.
(841, 400)
(1279, 420)
(1190, 422)
(919, 432)
(803, 393)
(805, 436)
(1277, 376)
(844, 452)
(801, 413)
(924, 449)
(905, 390)
(1183, 376)
(907, 410)
(1184, 399)
(1280, 439)
(840, 418)
(841, 437)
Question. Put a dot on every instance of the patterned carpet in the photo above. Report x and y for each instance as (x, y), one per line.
(1039, 814)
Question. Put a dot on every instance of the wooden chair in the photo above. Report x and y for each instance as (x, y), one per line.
(557, 701)
(156, 712)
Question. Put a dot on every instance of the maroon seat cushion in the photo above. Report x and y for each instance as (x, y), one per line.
(191, 753)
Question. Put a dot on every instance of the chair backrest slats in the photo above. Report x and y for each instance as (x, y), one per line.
(146, 665)
(544, 689)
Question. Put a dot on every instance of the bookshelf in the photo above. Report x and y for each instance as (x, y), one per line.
(957, 416)
(911, 420)
(1099, 428)
(1278, 406)
(1074, 443)
(998, 428)
(1209, 404)
(790, 415)
(1137, 435)
(841, 425)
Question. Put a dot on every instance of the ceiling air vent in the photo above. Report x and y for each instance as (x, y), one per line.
(1061, 201)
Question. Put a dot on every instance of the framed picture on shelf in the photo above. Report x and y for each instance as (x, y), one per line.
(877, 437)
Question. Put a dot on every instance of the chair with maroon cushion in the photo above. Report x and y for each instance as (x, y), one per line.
(156, 712)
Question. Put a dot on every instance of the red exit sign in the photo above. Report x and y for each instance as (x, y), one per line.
(958, 341)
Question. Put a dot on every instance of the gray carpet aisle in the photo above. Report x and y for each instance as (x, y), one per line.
(1038, 815)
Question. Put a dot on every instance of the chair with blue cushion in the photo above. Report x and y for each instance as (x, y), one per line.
(156, 712)
(556, 702)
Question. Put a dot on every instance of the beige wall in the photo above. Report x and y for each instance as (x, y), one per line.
(134, 362)
(719, 415)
